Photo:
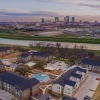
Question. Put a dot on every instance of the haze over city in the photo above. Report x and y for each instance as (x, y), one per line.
(33, 10)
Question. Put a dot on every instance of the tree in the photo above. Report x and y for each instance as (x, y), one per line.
(40, 65)
(58, 45)
(31, 45)
(23, 69)
(72, 59)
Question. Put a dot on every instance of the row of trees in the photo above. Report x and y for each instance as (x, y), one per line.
(63, 52)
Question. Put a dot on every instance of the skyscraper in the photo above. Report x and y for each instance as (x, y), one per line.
(66, 19)
(42, 20)
(56, 19)
(73, 19)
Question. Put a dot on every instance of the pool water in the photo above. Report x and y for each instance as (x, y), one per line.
(41, 77)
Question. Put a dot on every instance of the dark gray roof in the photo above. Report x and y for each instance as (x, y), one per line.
(25, 54)
(42, 54)
(64, 79)
(82, 70)
(68, 98)
(4, 49)
(1, 63)
(45, 96)
(89, 62)
(76, 75)
(17, 80)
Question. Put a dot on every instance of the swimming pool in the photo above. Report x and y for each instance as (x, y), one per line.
(41, 77)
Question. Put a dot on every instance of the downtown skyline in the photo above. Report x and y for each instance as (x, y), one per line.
(32, 10)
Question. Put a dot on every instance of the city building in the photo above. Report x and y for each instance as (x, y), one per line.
(56, 19)
(67, 19)
(69, 82)
(73, 20)
(19, 86)
(42, 20)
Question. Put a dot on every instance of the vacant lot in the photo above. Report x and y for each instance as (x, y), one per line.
(97, 94)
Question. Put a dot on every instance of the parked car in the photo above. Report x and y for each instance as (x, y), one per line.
(98, 79)
(87, 98)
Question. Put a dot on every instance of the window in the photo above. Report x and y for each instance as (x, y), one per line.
(58, 87)
(68, 89)
(17, 92)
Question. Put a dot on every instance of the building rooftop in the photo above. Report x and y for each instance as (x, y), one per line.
(1, 63)
(45, 96)
(81, 69)
(49, 68)
(43, 54)
(65, 78)
(25, 54)
(17, 80)
(4, 49)
(68, 98)
(76, 75)
(89, 62)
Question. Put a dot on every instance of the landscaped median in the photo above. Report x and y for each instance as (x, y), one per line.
(53, 38)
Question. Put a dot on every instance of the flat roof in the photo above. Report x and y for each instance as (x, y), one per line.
(68, 86)
(45, 96)
(49, 68)
(30, 63)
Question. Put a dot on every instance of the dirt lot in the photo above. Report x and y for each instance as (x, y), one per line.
(97, 94)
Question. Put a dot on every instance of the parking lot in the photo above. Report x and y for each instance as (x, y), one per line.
(5, 95)
(82, 92)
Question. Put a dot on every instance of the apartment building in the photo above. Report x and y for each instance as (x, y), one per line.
(69, 82)
(5, 51)
(90, 64)
(19, 86)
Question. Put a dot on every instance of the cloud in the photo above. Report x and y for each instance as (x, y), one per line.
(12, 12)
(90, 5)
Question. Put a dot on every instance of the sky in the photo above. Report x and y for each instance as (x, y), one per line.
(30, 10)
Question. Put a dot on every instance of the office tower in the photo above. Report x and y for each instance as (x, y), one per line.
(73, 19)
(66, 19)
(56, 19)
(42, 20)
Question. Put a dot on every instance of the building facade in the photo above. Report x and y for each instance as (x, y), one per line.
(5, 51)
(91, 65)
(69, 82)
(24, 57)
(19, 86)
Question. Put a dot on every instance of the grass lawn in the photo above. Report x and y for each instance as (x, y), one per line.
(97, 52)
(51, 38)
(96, 96)
(60, 60)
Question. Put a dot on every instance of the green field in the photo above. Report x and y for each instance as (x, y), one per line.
(51, 38)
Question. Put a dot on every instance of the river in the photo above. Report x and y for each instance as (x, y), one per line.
(70, 45)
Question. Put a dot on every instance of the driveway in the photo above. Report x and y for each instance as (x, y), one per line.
(82, 92)
(5, 95)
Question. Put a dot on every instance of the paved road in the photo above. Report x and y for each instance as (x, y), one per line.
(86, 86)
(5, 95)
